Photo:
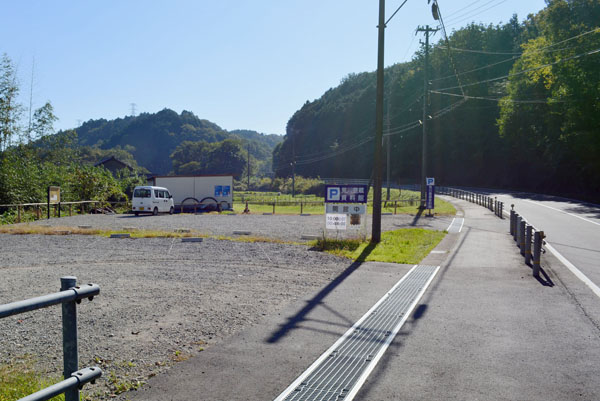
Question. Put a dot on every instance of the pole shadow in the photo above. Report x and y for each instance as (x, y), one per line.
(299, 317)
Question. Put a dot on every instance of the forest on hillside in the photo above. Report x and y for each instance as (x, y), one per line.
(514, 106)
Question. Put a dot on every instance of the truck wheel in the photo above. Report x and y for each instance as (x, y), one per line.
(136, 213)
(155, 211)
(171, 210)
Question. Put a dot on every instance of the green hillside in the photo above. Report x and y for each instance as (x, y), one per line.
(152, 137)
(515, 105)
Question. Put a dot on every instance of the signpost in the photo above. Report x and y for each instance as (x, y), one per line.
(346, 209)
(430, 194)
(53, 198)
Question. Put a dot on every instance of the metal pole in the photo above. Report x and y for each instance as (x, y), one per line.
(537, 251)
(522, 225)
(69, 326)
(528, 232)
(376, 228)
(512, 222)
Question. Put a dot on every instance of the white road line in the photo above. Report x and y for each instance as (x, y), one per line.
(574, 270)
(390, 338)
(562, 211)
(452, 222)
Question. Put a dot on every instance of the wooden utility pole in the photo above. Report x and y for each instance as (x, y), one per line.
(376, 232)
(427, 31)
(248, 188)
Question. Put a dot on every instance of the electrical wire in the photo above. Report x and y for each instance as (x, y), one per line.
(460, 9)
(456, 21)
(448, 44)
(524, 71)
(493, 99)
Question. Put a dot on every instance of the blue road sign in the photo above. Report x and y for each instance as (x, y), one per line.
(346, 193)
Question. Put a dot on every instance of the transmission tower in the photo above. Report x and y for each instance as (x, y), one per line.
(133, 107)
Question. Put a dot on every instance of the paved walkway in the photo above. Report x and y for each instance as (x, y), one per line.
(484, 330)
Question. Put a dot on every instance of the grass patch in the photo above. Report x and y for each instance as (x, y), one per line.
(25, 229)
(407, 246)
(19, 379)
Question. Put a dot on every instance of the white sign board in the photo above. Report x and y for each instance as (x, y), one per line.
(349, 208)
(335, 221)
(430, 181)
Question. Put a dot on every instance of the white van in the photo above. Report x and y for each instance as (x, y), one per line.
(155, 200)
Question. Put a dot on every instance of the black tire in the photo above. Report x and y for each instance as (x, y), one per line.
(191, 205)
(209, 204)
(136, 213)
(155, 211)
(171, 210)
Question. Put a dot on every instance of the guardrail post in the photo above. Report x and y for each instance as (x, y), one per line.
(273, 207)
(537, 252)
(18, 213)
(301, 208)
(501, 210)
(522, 225)
(69, 326)
(516, 227)
(512, 222)
(528, 232)
(70, 209)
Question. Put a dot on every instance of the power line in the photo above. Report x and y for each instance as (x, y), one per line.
(524, 71)
(456, 21)
(439, 13)
(494, 99)
(460, 9)
(475, 69)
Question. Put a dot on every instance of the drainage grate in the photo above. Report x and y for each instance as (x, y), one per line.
(340, 372)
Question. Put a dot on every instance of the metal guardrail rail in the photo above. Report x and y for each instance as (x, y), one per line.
(69, 296)
(488, 202)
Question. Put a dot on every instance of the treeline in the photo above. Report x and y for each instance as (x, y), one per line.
(151, 138)
(512, 106)
(33, 158)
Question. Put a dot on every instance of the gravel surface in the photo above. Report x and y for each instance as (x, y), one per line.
(162, 300)
(284, 227)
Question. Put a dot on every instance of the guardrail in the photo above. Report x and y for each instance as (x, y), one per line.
(488, 202)
(70, 294)
(523, 234)
(41, 209)
(301, 204)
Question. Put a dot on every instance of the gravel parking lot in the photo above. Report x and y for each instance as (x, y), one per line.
(162, 300)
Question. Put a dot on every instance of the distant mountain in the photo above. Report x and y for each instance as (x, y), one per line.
(152, 137)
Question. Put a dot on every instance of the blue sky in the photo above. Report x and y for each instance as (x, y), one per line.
(241, 64)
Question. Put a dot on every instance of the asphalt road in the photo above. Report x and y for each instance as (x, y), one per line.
(572, 227)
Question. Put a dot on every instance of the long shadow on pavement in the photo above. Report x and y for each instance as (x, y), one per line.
(293, 321)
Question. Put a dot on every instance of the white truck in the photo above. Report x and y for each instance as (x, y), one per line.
(198, 192)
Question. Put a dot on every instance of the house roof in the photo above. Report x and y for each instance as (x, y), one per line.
(112, 158)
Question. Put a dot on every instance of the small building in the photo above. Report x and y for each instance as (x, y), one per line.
(113, 165)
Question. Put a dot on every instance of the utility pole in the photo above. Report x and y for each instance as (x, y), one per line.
(376, 232)
(293, 163)
(427, 30)
(248, 187)
(387, 146)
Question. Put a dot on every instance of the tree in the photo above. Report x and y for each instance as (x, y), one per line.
(43, 121)
(10, 109)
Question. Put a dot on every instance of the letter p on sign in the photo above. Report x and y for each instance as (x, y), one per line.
(333, 194)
